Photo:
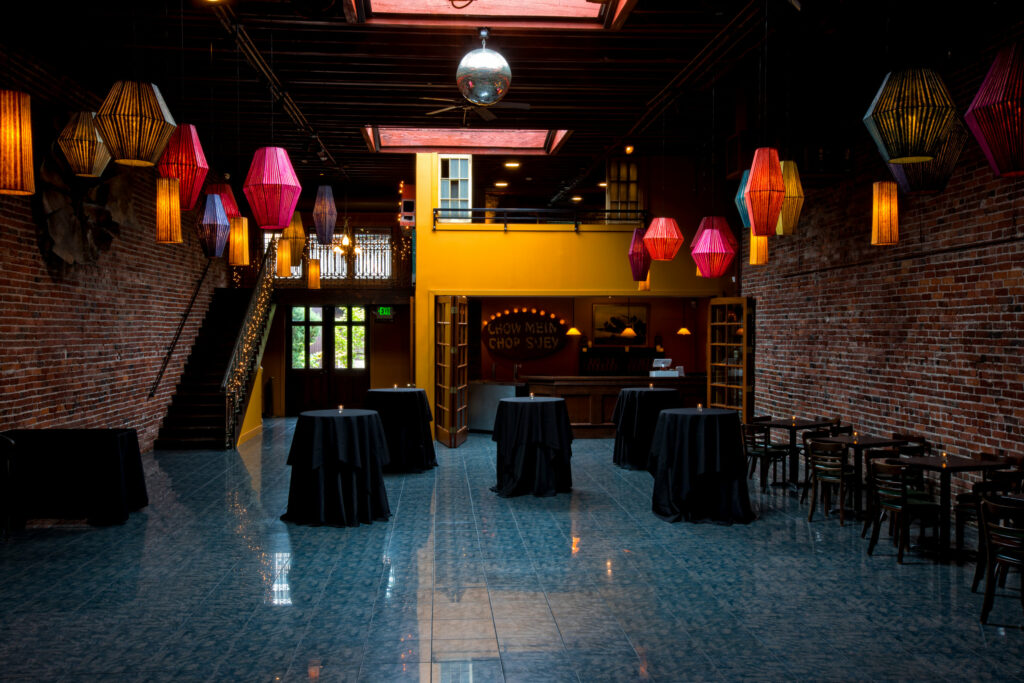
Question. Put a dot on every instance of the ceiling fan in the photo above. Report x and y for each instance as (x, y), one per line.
(483, 112)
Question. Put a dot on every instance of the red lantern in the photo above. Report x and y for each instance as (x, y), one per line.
(663, 239)
(272, 188)
(639, 259)
(227, 198)
(184, 159)
(995, 116)
(714, 247)
(766, 190)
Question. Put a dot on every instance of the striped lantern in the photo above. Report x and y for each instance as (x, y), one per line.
(214, 227)
(792, 200)
(932, 176)
(238, 240)
(81, 143)
(765, 191)
(714, 247)
(168, 212)
(996, 115)
(313, 274)
(885, 217)
(741, 203)
(272, 188)
(325, 214)
(184, 159)
(663, 239)
(135, 123)
(910, 116)
(17, 175)
(227, 198)
(758, 249)
(283, 258)
(639, 259)
(295, 235)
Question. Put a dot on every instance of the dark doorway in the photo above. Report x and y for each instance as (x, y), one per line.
(327, 357)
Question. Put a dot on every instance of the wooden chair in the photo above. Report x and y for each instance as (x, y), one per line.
(828, 469)
(760, 449)
(838, 428)
(889, 494)
(1002, 523)
(805, 453)
(967, 507)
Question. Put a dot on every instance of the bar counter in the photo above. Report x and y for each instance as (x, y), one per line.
(591, 400)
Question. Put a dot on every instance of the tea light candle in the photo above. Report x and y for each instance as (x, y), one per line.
(531, 395)
(700, 406)
(651, 385)
(341, 407)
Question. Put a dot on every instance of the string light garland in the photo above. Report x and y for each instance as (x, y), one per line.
(83, 147)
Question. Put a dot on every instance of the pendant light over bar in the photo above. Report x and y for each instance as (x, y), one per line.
(135, 123)
(17, 175)
(83, 147)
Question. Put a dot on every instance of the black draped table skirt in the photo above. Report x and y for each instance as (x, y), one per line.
(336, 459)
(405, 414)
(635, 417)
(534, 440)
(700, 466)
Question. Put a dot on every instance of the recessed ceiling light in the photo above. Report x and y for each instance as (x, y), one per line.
(511, 164)
(500, 183)
(602, 184)
(629, 149)
(577, 198)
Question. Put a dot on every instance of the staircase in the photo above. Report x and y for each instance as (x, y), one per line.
(196, 417)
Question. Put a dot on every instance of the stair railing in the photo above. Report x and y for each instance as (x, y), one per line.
(177, 333)
(252, 338)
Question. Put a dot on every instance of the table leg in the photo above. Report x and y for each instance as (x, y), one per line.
(858, 478)
(794, 459)
(944, 511)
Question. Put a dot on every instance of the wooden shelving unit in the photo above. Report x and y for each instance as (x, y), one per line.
(731, 355)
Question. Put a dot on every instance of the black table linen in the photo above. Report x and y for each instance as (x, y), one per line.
(534, 440)
(405, 414)
(700, 466)
(635, 417)
(336, 460)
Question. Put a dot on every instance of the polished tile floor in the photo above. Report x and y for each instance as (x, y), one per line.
(207, 584)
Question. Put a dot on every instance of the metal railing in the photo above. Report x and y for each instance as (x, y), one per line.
(374, 258)
(489, 219)
(252, 338)
(177, 333)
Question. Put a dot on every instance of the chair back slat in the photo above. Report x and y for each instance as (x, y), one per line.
(828, 460)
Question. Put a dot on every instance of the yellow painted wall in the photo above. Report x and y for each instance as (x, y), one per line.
(253, 421)
(496, 263)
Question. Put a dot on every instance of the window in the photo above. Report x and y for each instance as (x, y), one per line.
(623, 192)
(456, 187)
(349, 337)
(307, 338)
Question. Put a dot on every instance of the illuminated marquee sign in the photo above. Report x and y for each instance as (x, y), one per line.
(524, 334)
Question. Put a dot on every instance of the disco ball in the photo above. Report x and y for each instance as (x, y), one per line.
(483, 77)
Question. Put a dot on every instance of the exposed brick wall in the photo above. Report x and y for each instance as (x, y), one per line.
(926, 336)
(84, 351)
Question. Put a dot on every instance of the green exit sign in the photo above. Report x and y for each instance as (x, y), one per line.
(384, 313)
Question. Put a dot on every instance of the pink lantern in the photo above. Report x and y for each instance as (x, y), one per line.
(639, 259)
(272, 188)
(227, 198)
(766, 189)
(663, 239)
(184, 159)
(714, 247)
(995, 116)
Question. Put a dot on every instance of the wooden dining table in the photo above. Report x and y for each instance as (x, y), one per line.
(946, 466)
(794, 425)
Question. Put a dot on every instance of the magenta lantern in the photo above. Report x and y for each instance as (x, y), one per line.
(272, 188)
(714, 247)
(639, 259)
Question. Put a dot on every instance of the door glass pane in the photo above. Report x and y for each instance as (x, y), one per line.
(341, 313)
(341, 347)
(358, 314)
(358, 345)
(298, 347)
(316, 314)
(316, 347)
(298, 313)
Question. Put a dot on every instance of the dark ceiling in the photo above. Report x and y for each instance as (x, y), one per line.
(673, 70)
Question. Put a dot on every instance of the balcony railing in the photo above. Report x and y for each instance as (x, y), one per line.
(545, 220)
(374, 258)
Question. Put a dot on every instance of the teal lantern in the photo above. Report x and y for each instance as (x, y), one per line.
(741, 204)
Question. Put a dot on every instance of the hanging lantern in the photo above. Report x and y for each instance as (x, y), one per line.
(168, 212)
(295, 235)
(932, 176)
(910, 116)
(227, 198)
(885, 219)
(184, 159)
(238, 241)
(82, 145)
(758, 249)
(17, 176)
(284, 258)
(713, 247)
(135, 123)
(639, 259)
(325, 214)
(741, 202)
(765, 191)
(313, 274)
(663, 239)
(272, 188)
(996, 115)
(792, 200)
(214, 227)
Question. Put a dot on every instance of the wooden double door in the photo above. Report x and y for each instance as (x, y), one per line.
(327, 359)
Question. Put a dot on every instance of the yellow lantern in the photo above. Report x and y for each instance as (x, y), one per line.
(168, 212)
(758, 249)
(16, 172)
(238, 242)
(885, 218)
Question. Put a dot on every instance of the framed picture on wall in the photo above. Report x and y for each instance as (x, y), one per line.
(611, 319)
